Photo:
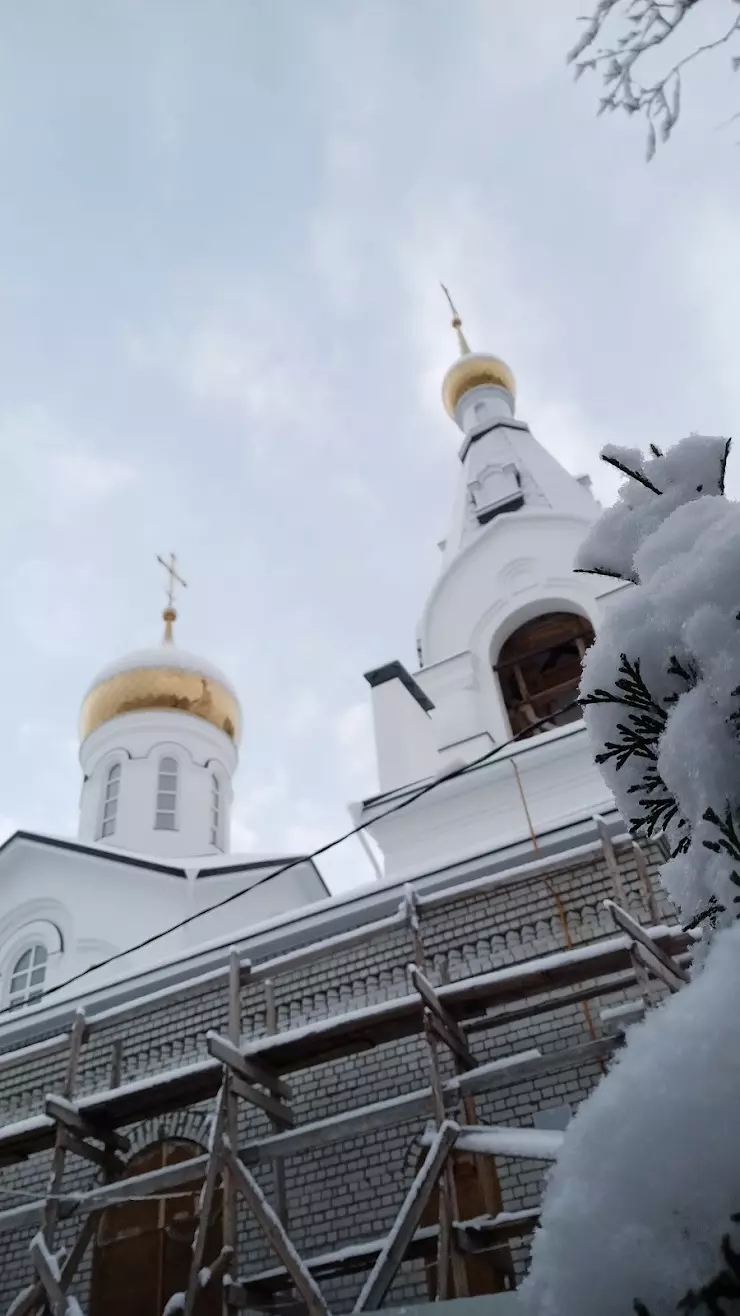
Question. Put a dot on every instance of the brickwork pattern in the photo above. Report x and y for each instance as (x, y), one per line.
(350, 1191)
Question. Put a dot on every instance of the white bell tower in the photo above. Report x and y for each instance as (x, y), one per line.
(499, 644)
(159, 733)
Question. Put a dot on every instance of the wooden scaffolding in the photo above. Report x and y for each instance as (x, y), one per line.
(446, 1016)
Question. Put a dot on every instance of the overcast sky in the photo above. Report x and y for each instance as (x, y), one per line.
(222, 231)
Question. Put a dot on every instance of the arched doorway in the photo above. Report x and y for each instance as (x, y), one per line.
(143, 1249)
(539, 669)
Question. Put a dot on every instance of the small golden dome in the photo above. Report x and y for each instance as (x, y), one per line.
(161, 678)
(471, 370)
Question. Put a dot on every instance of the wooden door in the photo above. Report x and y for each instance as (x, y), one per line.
(487, 1272)
(143, 1249)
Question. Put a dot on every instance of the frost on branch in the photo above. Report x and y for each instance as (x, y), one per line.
(661, 685)
(648, 1177)
(635, 33)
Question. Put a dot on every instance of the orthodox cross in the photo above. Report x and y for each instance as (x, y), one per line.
(174, 579)
(456, 323)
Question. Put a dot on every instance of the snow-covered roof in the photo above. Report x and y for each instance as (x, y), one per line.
(211, 865)
(163, 655)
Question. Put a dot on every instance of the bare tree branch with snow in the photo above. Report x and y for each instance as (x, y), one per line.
(631, 30)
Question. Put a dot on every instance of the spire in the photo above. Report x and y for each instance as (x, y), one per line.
(457, 324)
(169, 615)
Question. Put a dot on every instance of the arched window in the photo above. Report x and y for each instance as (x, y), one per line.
(165, 819)
(143, 1248)
(27, 978)
(215, 811)
(539, 668)
(110, 801)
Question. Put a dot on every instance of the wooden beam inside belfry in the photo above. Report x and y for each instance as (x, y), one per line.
(402, 1231)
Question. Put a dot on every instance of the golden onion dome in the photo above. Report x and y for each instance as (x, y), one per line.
(164, 677)
(471, 370)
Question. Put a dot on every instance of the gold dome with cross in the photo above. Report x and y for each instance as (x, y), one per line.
(164, 677)
(472, 368)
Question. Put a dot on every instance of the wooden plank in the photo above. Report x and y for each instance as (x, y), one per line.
(275, 1109)
(107, 1160)
(258, 1288)
(229, 1054)
(645, 960)
(411, 911)
(276, 1236)
(34, 1295)
(518, 991)
(445, 1026)
(205, 1202)
(219, 1267)
(278, 1167)
(392, 1253)
(98, 1199)
(505, 1140)
(46, 1268)
(51, 1211)
(610, 858)
(643, 872)
(66, 1113)
(494, 1076)
(232, 1112)
(637, 933)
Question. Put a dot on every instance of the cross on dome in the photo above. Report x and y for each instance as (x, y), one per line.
(472, 369)
(174, 578)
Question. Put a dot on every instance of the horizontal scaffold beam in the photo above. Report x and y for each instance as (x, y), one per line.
(472, 1235)
(381, 1114)
(519, 990)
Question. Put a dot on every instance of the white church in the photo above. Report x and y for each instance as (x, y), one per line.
(498, 841)
(500, 641)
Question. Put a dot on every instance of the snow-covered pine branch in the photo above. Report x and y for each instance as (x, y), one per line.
(661, 684)
(634, 29)
(636, 1211)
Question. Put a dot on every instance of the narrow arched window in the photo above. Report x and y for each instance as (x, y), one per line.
(539, 669)
(215, 811)
(110, 801)
(27, 977)
(165, 819)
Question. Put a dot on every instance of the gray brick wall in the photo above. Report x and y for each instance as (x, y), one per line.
(351, 1191)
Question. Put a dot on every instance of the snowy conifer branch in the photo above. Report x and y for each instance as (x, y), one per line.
(723, 1287)
(647, 24)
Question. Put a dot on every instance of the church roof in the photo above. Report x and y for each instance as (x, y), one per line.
(199, 865)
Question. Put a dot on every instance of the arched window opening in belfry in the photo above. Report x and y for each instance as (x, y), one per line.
(539, 670)
(143, 1247)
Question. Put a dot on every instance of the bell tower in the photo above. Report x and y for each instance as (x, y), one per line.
(501, 637)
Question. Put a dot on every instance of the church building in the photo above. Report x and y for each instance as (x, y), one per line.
(270, 1107)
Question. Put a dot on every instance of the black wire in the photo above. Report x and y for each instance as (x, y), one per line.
(294, 863)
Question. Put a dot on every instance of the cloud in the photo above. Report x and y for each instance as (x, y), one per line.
(353, 731)
(302, 714)
(37, 451)
(256, 371)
